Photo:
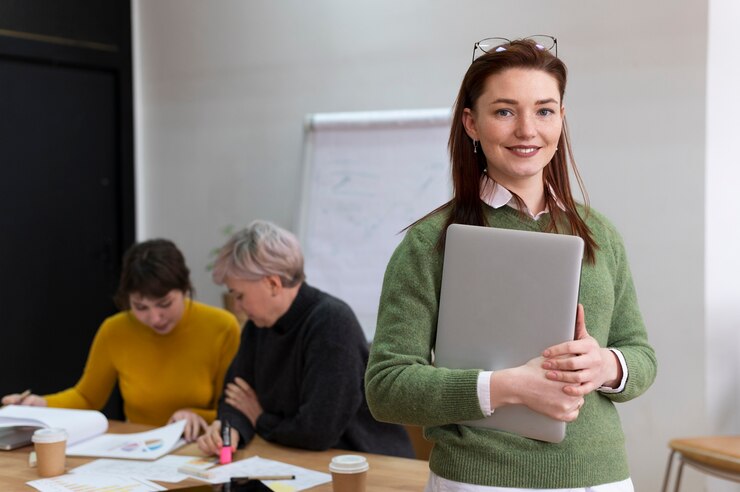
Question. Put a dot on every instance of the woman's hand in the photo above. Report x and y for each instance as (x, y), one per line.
(211, 442)
(527, 385)
(582, 364)
(242, 397)
(195, 423)
(24, 398)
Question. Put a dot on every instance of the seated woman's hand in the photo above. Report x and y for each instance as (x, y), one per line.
(582, 364)
(211, 442)
(241, 396)
(195, 423)
(24, 399)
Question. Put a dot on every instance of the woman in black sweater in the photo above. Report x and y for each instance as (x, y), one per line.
(297, 379)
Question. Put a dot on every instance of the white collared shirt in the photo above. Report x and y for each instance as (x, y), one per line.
(497, 196)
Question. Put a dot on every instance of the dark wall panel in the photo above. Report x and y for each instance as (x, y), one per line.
(58, 195)
(66, 188)
(85, 20)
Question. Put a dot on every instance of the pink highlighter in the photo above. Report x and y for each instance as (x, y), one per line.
(225, 456)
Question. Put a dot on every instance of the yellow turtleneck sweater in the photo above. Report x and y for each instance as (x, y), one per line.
(157, 374)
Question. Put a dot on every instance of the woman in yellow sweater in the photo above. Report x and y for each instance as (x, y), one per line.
(168, 352)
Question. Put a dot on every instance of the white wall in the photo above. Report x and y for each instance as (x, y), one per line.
(722, 235)
(223, 86)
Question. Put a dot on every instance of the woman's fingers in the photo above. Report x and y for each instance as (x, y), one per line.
(239, 386)
(210, 442)
(194, 423)
(206, 444)
(11, 399)
(185, 432)
(576, 346)
(214, 442)
(194, 428)
(235, 391)
(567, 350)
(200, 425)
(242, 384)
(578, 383)
(203, 424)
(575, 377)
(579, 389)
(24, 399)
(574, 413)
(581, 332)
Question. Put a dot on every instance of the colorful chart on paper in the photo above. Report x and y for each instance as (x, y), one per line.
(139, 446)
(148, 445)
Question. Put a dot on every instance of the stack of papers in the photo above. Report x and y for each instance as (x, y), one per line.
(122, 475)
(256, 467)
(83, 482)
(135, 476)
(162, 470)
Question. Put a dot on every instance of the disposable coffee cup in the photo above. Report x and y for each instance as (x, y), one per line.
(348, 473)
(50, 445)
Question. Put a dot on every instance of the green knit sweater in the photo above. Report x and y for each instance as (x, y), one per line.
(403, 386)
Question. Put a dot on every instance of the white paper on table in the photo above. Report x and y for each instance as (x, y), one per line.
(163, 470)
(256, 466)
(75, 482)
(148, 445)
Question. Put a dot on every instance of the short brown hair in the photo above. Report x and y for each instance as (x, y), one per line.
(152, 269)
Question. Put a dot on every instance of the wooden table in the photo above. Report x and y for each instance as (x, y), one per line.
(386, 473)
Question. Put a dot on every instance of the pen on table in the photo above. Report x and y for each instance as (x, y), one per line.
(225, 456)
(23, 396)
(194, 472)
(263, 477)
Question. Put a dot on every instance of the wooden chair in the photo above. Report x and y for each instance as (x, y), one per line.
(717, 456)
(421, 446)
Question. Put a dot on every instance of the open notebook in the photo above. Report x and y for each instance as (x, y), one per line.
(18, 423)
(86, 433)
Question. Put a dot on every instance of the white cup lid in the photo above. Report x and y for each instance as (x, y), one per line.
(49, 435)
(348, 463)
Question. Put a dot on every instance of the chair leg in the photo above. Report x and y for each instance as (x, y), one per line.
(678, 475)
(667, 478)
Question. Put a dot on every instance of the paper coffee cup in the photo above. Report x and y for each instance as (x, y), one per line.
(50, 445)
(348, 473)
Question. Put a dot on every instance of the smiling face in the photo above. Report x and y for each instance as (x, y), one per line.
(161, 315)
(518, 121)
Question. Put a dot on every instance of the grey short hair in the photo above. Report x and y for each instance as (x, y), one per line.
(261, 249)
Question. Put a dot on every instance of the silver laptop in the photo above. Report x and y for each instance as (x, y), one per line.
(506, 296)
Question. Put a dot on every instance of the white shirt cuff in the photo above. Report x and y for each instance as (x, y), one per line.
(623, 382)
(484, 392)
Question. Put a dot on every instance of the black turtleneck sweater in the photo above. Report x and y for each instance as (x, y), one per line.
(308, 372)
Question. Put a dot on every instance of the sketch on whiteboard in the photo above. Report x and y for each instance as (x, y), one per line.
(366, 178)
